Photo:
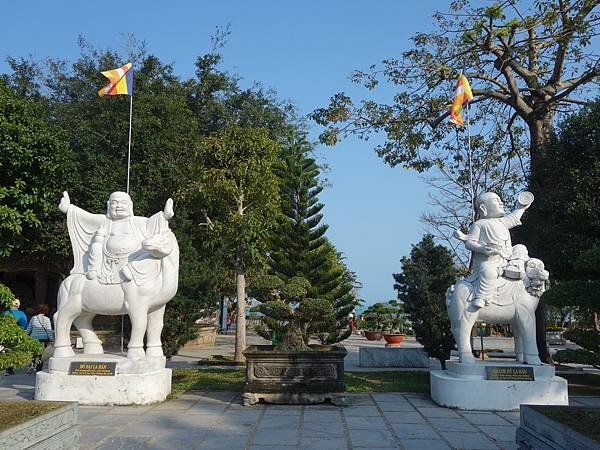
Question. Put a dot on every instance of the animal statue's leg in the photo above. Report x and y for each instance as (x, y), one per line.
(525, 321)
(463, 338)
(518, 343)
(155, 326)
(139, 323)
(69, 310)
(91, 343)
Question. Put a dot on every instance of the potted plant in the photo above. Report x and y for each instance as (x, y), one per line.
(291, 370)
(394, 324)
(373, 320)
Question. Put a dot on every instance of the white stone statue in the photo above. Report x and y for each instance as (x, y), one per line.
(504, 285)
(123, 264)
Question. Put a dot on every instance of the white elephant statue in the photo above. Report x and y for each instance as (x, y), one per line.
(514, 303)
(123, 264)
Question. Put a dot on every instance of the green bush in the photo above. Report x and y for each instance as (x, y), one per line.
(6, 296)
(18, 348)
(589, 339)
(579, 356)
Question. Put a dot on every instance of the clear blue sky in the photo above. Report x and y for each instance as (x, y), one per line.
(305, 51)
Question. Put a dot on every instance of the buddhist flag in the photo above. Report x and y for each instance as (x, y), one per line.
(462, 95)
(121, 81)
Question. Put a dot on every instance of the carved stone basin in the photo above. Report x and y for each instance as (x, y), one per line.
(295, 377)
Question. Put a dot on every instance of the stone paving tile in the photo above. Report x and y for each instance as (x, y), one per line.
(240, 416)
(133, 410)
(322, 416)
(175, 404)
(103, 420)
(439, 412)
(323, 444)
(469, 440)
(322, 407)
(211, 408)
(423, 444)
(222, 443)
(445, 424)
(508, 445)
(365, 423)
(217, 396)
(124, 443)
(388, 397)
(282, 412)
(414, 431)
(276, 436)
(271, 447)
(485, 419)
(404, 417)
(279, 421)
(171, 443)
(499, 433)
(372, 439)
(396, 406)
(361, 411)
(512, 416)
(91, 436)
(323, 430)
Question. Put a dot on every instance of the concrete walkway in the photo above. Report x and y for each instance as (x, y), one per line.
(217, 420)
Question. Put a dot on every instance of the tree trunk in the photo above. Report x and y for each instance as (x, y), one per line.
(240, 325)
(541, 133)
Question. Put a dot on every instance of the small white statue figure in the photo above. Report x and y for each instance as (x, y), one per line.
(123, 264)
(504, 285)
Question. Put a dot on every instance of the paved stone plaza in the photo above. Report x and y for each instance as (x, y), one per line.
(217, 420)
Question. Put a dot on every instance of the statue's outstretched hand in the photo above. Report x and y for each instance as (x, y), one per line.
(65, 202)
(168, 212)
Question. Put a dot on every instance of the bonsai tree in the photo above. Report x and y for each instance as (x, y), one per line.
(288, 310)
(386, 316)
(17, 349)
(589, 340)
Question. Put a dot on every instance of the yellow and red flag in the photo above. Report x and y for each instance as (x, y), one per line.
(462, 95)
(121, 81)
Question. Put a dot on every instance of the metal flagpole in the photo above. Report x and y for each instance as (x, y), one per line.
(472, 187)
(129, 146)
(128, 169)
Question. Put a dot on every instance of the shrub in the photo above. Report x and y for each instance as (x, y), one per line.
(17, 348)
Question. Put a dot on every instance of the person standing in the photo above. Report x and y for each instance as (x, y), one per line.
(21, 319)
(40, 328)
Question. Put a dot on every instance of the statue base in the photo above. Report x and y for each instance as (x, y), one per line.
(496, 386)
(104, 380)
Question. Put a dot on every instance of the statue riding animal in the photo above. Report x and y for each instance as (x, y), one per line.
(504, 285)
(123, 264)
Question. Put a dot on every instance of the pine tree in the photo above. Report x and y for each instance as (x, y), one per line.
(300, 248)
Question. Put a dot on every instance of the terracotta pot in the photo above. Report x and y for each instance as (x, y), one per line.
(373, 335)
(393, 339)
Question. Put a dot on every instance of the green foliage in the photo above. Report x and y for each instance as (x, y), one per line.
(386, 316)
(35, 163)
(567, 214)
(589, 339)
(421, 287)
(299, 247)
(288, 310)
(18, 347)
(579, 356)
(7, 298)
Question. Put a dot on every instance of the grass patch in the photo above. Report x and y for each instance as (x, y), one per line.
(583, 420)
(233, 380)
(582, 383)
(15, 412)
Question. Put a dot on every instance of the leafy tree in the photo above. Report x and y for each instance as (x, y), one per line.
(234, 184)
(568, 216)
(299, 247)
(288, 310)
(421, 286)
(527, 62)
(34, 163)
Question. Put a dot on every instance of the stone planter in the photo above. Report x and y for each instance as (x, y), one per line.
(373, 335)
(294, 377)
(393, 339)
(538, 431)
(56, 429)
(207, 335)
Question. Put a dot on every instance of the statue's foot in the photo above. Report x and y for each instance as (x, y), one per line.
(91, 275)
(520, 358)
(64, 351)
(534, 360)
(93, 348)
(154, 352)
(136, 353)
(467, 358)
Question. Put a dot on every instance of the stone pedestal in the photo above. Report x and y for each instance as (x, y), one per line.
(466, 386)
(392, 357)
(135, 382)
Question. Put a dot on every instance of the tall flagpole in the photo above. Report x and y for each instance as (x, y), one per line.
(472, 187)
(129, 146)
